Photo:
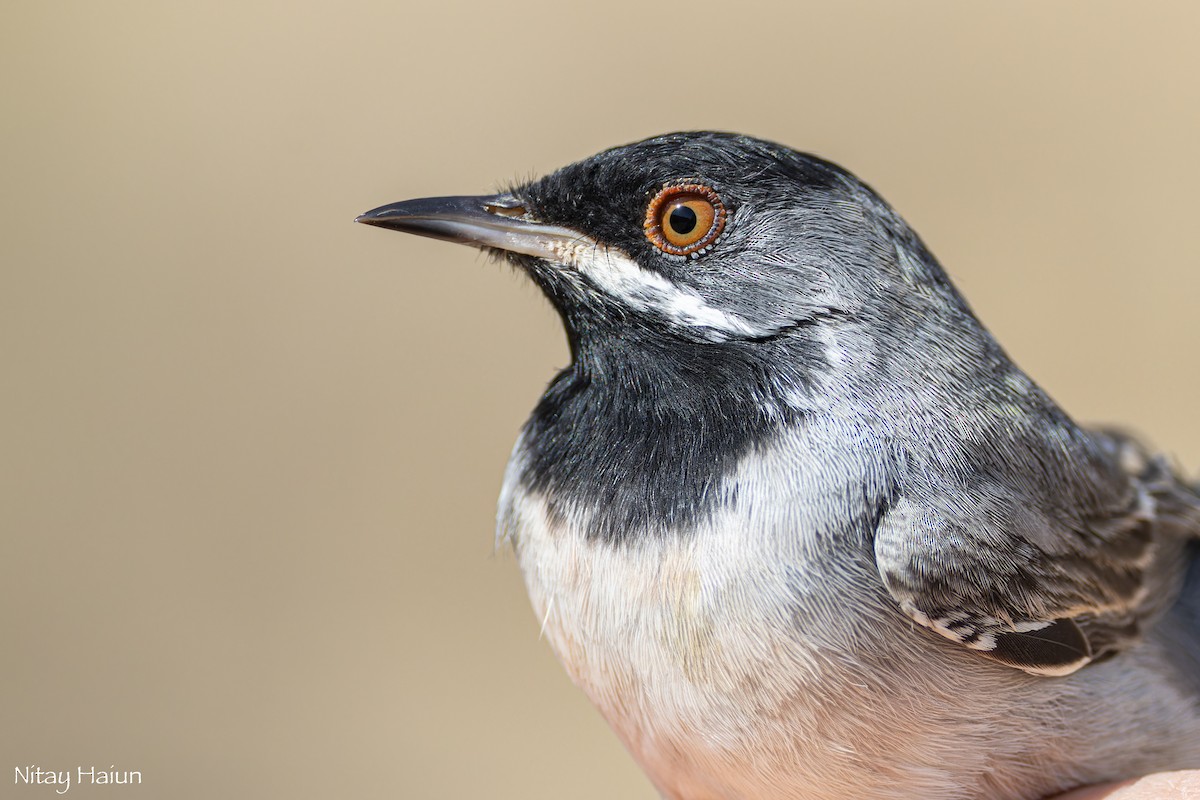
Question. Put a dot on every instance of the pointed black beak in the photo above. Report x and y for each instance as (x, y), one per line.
(446, 218)
(498, 221)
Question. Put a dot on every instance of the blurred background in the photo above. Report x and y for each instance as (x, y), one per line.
(249, 451)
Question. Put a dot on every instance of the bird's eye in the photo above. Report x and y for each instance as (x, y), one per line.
(683, 220)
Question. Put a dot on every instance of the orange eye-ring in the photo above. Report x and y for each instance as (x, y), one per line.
(682, 220)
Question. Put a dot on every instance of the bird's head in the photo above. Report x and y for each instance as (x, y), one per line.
(705, 244)
(703, 236)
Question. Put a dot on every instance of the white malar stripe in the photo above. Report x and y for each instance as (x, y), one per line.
(615, 273)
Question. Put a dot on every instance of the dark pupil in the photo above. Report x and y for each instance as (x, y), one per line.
(682, 219)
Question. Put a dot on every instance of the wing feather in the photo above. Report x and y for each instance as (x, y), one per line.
(1042, 589)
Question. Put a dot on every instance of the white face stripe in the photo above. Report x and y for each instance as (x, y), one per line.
(620, 276)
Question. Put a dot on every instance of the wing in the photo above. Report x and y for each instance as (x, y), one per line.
(1046, 589)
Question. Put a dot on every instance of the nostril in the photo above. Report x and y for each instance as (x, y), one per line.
(506, 211)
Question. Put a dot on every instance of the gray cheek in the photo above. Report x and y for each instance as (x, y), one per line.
(777, 293)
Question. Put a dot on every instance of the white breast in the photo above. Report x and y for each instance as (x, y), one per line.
(712, 654)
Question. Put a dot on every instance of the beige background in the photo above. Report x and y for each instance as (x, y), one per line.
(249, 451)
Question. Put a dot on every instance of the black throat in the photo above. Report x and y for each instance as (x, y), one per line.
(641, 431)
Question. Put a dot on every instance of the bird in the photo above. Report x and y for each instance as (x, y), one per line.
(792, 518)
